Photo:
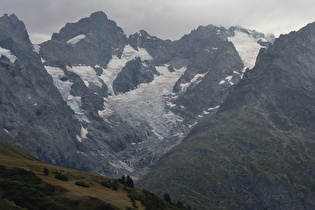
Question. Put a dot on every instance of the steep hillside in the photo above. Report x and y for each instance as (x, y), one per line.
(257, 151)
(33, 112)
(28, 183)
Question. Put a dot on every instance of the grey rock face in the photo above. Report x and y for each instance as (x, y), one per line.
(256, 152)
(132, 75)
(32, 109)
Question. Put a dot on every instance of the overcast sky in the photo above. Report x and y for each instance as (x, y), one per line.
(166, 19)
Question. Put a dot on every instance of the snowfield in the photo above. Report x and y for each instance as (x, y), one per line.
(247, 47)
(147, 103)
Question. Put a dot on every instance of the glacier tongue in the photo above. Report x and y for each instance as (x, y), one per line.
(247, 47)
(147, 103)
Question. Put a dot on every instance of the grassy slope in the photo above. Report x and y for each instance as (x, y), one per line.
(12, 157)
(67, 192)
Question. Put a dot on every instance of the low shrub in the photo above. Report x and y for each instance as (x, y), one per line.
(82, 184)
(61, 177)
(106, 184)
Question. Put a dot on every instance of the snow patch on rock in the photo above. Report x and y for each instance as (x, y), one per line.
(76, 39)
(116, 64)
(64, 88)
(194, 80)
(7, 53)
(87, 74)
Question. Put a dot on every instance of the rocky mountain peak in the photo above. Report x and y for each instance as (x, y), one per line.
(12, 27)
(96, 24)
(90, 41)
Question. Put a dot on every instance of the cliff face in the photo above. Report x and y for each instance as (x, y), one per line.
(257, 150)
(32, 109)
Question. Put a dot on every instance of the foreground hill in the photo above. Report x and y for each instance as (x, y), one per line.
(257, 151)
(28, 183)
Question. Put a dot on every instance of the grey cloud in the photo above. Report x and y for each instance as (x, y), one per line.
(167, 19)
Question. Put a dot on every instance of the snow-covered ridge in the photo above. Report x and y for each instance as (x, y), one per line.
(7, 53)
(76, 39)
(247, 47)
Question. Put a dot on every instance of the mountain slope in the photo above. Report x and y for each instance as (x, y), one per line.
(28, 183)
(33, 112)
(257, 150)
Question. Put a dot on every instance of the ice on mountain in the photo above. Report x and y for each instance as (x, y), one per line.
(194, 80)
(205, 112)
(247, 47)
(75, 102)
(147, 103)
(87, 74)
(235, 72)
(170, 104)
(76, 39)
(36, 48)
(228, 78)
(116, 64)
(64, 88)
(213, 108)
(192, 125)
(84, 132)
(7, 53)
(107, 111)
(79, 138)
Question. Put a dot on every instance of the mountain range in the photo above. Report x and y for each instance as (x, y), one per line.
(92, 99)
(221, 118)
